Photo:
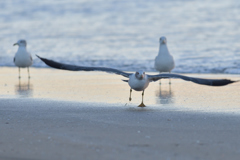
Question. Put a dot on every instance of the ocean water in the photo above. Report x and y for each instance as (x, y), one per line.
(203, 35)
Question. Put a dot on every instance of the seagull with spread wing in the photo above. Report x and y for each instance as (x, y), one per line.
(137, 81)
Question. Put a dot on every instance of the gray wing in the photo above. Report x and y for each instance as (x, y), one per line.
(209, 82)
(58, 65)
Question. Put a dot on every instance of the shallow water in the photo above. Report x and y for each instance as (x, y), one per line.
(203, 35)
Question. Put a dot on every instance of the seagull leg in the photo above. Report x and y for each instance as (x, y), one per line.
(28, 73)
(130, 95)
(142, 104)
(19, 73)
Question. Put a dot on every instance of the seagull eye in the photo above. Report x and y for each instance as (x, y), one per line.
(137, 73)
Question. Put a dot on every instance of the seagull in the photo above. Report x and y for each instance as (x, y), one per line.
(164, 61)
(137, 81)
(22, 58)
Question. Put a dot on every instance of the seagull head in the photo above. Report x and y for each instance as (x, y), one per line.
(140, 75)
(21, 42)
(163, 40)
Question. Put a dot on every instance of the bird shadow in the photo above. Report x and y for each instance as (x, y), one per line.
(24, 89)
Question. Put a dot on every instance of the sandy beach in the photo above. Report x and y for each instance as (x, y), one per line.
(81, 115)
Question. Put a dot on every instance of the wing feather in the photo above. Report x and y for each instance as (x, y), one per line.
(63, 66)
(209, 82)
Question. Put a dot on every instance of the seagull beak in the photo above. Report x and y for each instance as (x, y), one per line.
(164, 41)
(141, 76)
(15, 44)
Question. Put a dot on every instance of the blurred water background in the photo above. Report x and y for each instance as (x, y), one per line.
(203, 35)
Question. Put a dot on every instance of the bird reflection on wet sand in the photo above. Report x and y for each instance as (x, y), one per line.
(24, 89)
(165, 94)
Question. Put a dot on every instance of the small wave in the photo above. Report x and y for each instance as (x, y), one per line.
(133, 65)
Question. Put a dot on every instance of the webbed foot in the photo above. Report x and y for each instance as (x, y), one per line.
(142, 105)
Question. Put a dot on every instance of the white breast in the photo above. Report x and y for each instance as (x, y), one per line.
(22, 58)
(136, 84)
(164, 62)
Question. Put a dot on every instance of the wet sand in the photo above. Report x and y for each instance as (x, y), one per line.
(80, 115)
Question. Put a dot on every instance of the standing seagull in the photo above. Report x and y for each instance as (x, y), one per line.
(138, 81)
(164, 61)
(22, 58)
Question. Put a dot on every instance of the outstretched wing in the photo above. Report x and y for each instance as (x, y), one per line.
(58, 65)
(209, 82)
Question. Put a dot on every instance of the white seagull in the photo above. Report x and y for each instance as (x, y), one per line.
(164, 61)
(22, 58)
(137, 81)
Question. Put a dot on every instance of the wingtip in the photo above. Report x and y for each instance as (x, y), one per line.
(42, 59)
(226, 82)
(38, 56)
(124, 80)
(232, 81)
